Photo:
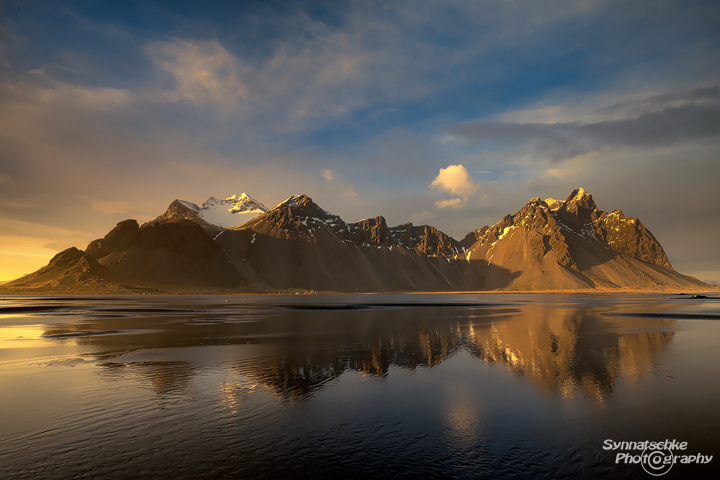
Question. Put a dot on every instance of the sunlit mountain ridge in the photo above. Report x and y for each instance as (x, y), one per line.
(236, 244)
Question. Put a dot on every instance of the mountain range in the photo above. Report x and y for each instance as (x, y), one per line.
(238, 245)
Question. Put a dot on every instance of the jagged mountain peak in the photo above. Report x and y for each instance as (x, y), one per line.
(296, 217)
(300, 218)
(303, 205)
(578, 193)
(578, 211)
(297, 201)
(534, 205)
(580, 198)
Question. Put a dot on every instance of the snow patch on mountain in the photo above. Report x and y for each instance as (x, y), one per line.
(228, 212)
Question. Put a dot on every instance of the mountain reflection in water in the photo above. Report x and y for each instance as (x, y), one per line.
(561, 350)
(351, 386)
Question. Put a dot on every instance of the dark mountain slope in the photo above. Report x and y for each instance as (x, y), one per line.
(176, 252)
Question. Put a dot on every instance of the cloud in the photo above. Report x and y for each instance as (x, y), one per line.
(340, 184)
(312, 77)
(656, 121)
(203, 72)
(314, 70)
(456, 180)
(451, 203)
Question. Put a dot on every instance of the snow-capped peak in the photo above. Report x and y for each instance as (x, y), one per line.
(237, 203)
(230, 211)
(243, 201)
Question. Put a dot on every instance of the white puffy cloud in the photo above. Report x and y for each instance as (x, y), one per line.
(456, 180)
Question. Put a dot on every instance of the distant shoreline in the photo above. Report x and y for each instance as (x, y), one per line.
(217, 292)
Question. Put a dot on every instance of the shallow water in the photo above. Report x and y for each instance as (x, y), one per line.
(384, 386)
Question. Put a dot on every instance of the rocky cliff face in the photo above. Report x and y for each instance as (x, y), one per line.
(419, 239)
(629, 236)
(298, 244)
(300, 218)
(624, 234)
(426, 240)
(543, 233)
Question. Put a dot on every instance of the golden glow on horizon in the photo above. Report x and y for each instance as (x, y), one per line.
(14, 264)
(34, 245)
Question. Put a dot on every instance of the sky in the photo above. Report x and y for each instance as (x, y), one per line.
(451, 113)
